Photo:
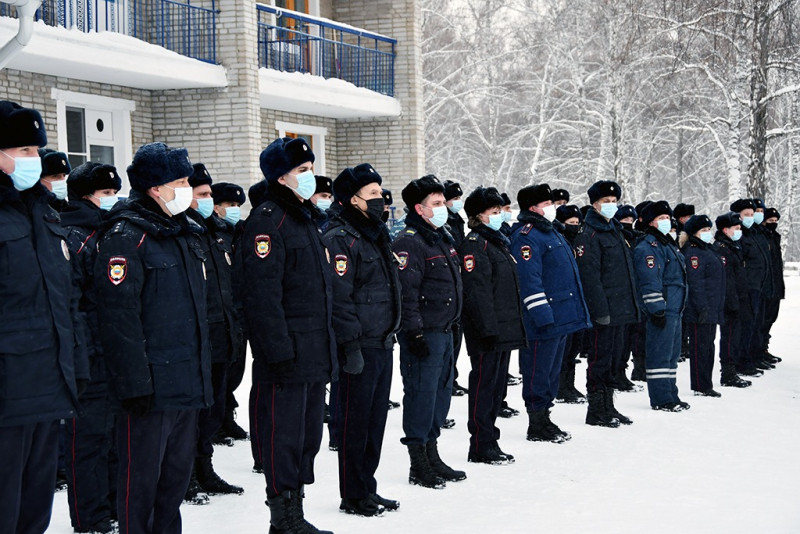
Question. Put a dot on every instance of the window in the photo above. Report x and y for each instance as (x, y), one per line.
(314, 136)
(94, 128)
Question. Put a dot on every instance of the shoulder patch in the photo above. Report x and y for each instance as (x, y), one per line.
(469, 263)
(695, 262)
(525, 252)
(117, 269)
(650, 261)
(263, 245)
(340, 264)
(526, 229)
(402, 259)
(579, 250)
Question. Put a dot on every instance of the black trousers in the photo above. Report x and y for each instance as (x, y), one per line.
(91, 464)
(288, 428)
(361, 421)
(209, 420)
(771, 309)
(156, 455)
(27, 476)
(606, 344)
(701, 353)
(487, 381)
(730, 345)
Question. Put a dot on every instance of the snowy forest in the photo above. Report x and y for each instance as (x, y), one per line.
(694, 101)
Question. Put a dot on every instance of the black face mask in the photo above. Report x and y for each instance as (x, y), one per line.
(375, 208)
(571, 229)
(627, 226)
(772, 226)
(385, 216)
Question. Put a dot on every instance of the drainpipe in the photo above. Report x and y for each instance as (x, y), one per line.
(25, 12)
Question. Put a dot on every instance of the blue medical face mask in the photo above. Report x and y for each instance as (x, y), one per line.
(324, 203)
(27, 172)
(506, 216)
(106, 203)
(439, 216)
(457, 206)
(59, 188)
(747, 222)
(306, 185)
(758, 217)
(495, 221)
(233, 214)
(205, 207)
(664, 226)
(737, 235)
(608, 209)
(705, 237)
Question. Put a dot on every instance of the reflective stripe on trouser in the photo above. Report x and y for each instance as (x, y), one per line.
(663, 348)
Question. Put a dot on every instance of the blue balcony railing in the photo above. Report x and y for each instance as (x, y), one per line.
(186, 28)
(292, 42)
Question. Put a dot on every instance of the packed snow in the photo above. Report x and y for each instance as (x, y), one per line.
(727, 465)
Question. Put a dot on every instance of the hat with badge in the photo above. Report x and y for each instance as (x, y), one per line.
(387, 197)
(324, 185)
(452, 190)
(200, 176)
(641, 206)
(770, 213)
(351, 179)
(726, 220)
(157, 164)
(655, 209)
(560, 194)
(625, 211)
(256, 193)
(284, 154)
(696, 223)
(683, 210)
(743, 204)
(416, 190)
(54, 162)
(91, 176)
(20, 126)
(227, 192)
(482, 199)
(604, 188)
(759, 204)
(506, 199)
(567, 212)
(532, 195)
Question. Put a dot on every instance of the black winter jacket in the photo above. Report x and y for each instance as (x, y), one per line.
(42, 353)
(150, 276)
(492, 310)
(366, 283)
(288, 296)
(705, 278)
(755, 248)
(737, 294)
(607, 276)
(429, 274)
(455, 225)
(776, 264)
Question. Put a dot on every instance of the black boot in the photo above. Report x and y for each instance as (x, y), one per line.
(421, 473)
(565, 436)
(389, 504)
(194, 494)
(563, 380)
(365, 507)
(612, 410)
(540, 430)
(283, 516)
(231, 429)
(302, 525)
(729, 378)
(575, 396)
(597, 415)
(439, 467)
(623, 384)
(210, 481)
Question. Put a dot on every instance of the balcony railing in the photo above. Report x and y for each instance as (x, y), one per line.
(190, 30)
(293, 42)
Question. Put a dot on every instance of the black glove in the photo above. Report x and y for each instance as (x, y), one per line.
(281, 367)
(417, 344)
(137, 406)
(354, 362)
(487, 344)
(603, 321)
(702, 317)
(659, 320)
(81, 384)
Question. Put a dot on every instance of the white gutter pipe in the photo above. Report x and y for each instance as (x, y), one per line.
(25, 12)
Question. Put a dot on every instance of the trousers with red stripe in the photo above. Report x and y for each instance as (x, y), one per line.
(487, 388)
(361, 421)
(701, 350)
(540, 365)
(289, 419)
(605, 344)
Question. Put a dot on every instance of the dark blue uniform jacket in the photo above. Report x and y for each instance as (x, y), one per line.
(660, 274)
(705, 276)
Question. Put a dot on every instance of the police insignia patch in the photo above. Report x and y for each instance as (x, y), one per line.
(525, 252)
(695, 262)
(65, 249)
(117, 269)
(651, 261)
(402, 257)
(579, 250)
(263, 246)
(340, 264)
(469, 263)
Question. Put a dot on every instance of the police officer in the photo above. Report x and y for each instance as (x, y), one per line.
(44, 361)
(454, 203)
(560, 197)
(553, 306)
(492, 320)
(607, 277)
(661, 281)
(387, 204)
(90, 457)
(150, 274)
(366, 306)
(323, 198)
(224, 332)
(772, 306)
(705, 277)
(55, 168)
(505, 212)
(626, 215)
(682, 212)
(287, 304)
(431, 281)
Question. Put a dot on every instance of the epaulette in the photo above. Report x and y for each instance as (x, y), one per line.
(118, 228)
(472, 237)
(345, 230)
(410, 231)
(526, 229)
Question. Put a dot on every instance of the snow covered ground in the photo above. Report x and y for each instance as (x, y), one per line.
(729, 465)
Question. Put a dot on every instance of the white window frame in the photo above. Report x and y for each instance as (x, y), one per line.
(121, 109)
(317, 134)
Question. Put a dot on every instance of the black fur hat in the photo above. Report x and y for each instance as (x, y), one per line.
(200, 176)
(743, 204)
(560, 194)
(506, 199)
(532, 195)
(682, 210)
(416, 190)
(351, 179)
(604, 188)
(256, 193)
(726, 220)
(387, 197)
(20, 126)
(156, 164)
(54, 162)
(283, 155)
(654, 209)
(625, 211)
(481, 200)
(696, 223)
(227, 192)
(770, 213)
(568, 211)
(89, 177)
(324, 184)
(452, 190)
